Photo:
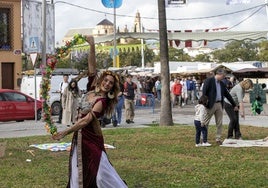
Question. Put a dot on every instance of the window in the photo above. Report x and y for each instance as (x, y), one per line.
(19, 97)
(5, 30)
(1, 98)
(15, 97)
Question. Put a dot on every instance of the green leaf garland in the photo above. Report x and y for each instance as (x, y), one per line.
(47, 71)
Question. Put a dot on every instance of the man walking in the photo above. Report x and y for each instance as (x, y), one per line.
(62, 87)
(129, 91)
(215, 90)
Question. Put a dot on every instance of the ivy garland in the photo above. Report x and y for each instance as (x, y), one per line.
(47, 71)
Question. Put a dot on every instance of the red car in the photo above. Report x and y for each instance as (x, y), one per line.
(16, 106)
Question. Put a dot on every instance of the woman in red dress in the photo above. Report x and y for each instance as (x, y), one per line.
(89, 165)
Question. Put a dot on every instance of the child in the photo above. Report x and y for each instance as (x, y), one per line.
(199, 119)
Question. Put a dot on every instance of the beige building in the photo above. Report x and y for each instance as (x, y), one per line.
(10, 44)
(105, 27)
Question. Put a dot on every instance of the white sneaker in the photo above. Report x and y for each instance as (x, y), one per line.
(206, 144)
(198, 145)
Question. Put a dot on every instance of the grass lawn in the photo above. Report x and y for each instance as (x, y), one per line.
(151, 157)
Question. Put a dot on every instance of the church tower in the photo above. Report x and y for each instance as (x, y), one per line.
(137, 23)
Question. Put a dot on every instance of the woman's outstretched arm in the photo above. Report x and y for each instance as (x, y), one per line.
(80, 123)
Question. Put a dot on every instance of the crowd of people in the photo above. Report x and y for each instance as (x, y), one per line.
(223, 93)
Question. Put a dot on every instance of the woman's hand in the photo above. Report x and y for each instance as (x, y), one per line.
(59, 135)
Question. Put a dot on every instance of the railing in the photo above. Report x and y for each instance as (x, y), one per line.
(145, 100)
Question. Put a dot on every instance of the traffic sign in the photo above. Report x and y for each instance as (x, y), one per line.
(33, 57)
(112, 3)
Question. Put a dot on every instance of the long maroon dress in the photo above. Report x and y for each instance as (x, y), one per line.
(89, 165)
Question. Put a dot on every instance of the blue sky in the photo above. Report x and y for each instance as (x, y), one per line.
(68, 16)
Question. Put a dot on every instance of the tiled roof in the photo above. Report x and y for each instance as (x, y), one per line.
(105, 22)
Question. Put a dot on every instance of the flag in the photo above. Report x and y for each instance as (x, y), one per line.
(170, 41)
(177, 42)
(232, 2)
(205, 41)
(188, 43)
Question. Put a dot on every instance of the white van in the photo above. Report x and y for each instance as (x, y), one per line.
(28, 87)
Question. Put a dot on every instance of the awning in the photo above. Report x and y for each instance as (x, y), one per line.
(205, 71)
(252, 73)
(194, 36)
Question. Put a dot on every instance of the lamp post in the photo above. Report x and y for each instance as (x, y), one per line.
(44, 26)
(115, 52)
(113, 4)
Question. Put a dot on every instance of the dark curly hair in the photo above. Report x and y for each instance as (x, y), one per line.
(75, 89)
(115, 90)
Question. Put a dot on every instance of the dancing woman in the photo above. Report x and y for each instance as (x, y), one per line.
(89, 165)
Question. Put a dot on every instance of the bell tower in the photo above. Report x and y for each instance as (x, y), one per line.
(137, 23)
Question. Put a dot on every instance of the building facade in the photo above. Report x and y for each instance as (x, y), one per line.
(10, 44)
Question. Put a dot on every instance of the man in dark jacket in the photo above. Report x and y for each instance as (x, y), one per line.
(216, 90)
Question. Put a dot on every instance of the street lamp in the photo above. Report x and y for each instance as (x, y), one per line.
(113, 4)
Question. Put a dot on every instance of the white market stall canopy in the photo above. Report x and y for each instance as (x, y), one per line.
(195, 36)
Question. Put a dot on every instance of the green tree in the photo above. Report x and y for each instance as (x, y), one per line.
(175, 54)
(203, 58)
(133, 58)
(235, 51)
(104, 60)
(263, 51)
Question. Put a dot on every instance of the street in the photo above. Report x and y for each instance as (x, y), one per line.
(143, 117)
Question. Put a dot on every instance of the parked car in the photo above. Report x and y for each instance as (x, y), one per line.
(17, 106)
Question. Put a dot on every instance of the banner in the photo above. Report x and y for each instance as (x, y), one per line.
(32, 27)
(232, 2)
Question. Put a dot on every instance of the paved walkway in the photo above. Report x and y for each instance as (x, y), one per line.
(143, 117)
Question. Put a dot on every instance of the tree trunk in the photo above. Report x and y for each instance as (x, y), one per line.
(166, 110)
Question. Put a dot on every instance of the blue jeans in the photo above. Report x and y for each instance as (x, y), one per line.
(158, 94)
(199, 129)
(117, 116)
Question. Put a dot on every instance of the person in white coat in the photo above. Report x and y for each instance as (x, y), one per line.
(70, 101)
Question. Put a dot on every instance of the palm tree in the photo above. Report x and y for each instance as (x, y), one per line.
(166, 110)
